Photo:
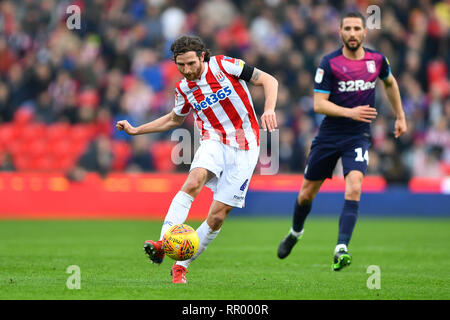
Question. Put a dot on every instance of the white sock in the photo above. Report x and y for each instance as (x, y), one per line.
(205, 236)
(339, 246)
(178, 211)
(296, 234)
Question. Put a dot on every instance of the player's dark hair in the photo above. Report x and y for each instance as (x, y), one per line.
(189, 43)
(354, 14)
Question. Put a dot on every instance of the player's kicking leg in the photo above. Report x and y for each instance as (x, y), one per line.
(233, 169)
(178, 210)
(207, 232)
(301, 210)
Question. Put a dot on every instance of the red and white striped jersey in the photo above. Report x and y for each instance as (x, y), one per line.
(223, 107)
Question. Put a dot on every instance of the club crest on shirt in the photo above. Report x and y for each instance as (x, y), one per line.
(219, 76)
(371, 66)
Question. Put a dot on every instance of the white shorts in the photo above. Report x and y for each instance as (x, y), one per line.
(233, 169)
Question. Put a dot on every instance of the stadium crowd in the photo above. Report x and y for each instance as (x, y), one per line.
(118, 66)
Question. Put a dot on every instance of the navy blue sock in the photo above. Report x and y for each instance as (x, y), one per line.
(347, 221)
(300, 214)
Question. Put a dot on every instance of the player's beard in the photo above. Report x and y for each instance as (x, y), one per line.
(354, 47)
(194, 75)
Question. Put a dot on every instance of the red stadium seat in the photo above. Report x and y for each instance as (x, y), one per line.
(66, 153)
(8, 134)
(64, 163)
(162, 152)
(82, 132)
(122, 152)
(79, 148)
(57, 131)
(42, 163)
(32, 132)
(170, 73)
(37, 148)
(21, 162)
(88, 98)
(23, 116)
(60, 147)
(17, 148)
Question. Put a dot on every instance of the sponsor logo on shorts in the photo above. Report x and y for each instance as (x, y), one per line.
(244, 185)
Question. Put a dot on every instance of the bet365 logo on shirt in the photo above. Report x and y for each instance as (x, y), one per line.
(213, 98)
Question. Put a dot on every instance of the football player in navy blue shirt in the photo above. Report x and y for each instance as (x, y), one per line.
(344, 91)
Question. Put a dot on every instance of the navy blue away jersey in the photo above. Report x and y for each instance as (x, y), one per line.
(350, 83)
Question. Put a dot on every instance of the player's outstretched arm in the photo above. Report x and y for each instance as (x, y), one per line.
(393, 94)
(164, 123)
(270, 85)
(360, 113)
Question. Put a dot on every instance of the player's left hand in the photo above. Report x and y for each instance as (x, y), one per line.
(269, 121)
(400, 127)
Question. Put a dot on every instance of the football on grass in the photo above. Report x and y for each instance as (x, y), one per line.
(180, 242)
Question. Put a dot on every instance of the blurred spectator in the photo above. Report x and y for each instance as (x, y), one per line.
(172, 20)
(98, 158)
(17, 87)
(428, 162)
(6, 162)
(61, 89)
(7, 57)
(391, 165)
(118, 66)
(44, 111)
(374, 166)
(439, 136)
(6, 110)
(141, 160)
(39, 80)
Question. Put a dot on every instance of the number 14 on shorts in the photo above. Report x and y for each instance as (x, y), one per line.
(360, 157)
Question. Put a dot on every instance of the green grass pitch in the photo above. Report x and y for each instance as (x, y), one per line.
(413, 256)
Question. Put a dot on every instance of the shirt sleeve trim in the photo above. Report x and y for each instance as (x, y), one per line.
(321, 91)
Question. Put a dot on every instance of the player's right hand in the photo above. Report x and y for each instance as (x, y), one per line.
(363, 113)
(125, 126)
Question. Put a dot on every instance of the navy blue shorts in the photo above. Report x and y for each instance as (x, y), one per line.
(326, 151)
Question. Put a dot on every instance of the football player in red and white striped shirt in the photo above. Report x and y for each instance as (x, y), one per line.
(214, 88)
